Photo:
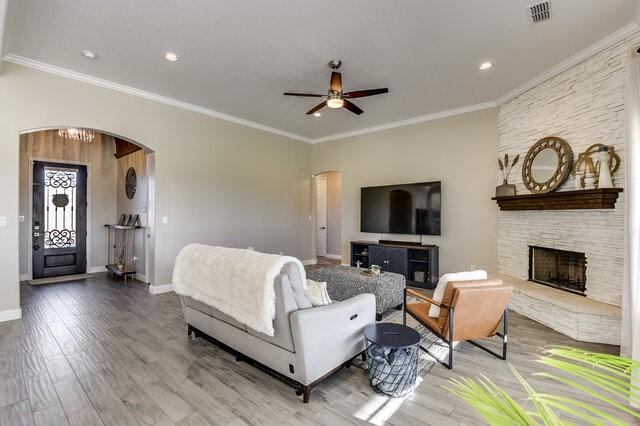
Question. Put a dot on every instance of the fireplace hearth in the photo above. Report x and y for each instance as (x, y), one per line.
(566, 270)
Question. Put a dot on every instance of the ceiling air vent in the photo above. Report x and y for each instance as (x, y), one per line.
(540, 12)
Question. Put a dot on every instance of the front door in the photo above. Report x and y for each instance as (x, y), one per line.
(59, 224)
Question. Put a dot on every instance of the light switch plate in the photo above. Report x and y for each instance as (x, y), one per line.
(3, 221)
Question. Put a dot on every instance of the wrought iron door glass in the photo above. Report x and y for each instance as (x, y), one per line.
(60, 207)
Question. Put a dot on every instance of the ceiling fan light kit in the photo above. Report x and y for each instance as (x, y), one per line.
(336, 97)
(335, 103)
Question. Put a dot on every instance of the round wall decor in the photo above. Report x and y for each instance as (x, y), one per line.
(131, 183)
(547, 165)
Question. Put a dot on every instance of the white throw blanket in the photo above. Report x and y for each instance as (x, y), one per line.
(236, 282)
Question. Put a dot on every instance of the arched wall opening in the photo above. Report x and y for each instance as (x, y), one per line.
(107, 159)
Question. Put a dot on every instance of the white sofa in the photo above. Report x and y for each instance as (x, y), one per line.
(309, 343)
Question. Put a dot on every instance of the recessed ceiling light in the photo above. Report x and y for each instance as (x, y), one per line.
(171, 57)
(485, 66)
(317, 114)
(89, 54)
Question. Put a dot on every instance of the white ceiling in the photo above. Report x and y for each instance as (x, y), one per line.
(237, 57)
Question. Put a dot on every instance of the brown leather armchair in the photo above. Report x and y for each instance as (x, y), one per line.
(469, 310)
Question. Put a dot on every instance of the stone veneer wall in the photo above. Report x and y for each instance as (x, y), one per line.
(583, 105)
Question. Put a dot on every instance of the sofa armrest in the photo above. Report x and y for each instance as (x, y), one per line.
(327, 336)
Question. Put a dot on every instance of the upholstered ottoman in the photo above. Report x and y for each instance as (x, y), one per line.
(344, 282)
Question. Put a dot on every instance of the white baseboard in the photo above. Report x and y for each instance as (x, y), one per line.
(345, 264)
(158, 289)
(13, 314)
(24, 277)
(96, 269)
(333, 256)
(310, 262)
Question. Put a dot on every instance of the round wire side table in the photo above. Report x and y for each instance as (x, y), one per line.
(392, 357)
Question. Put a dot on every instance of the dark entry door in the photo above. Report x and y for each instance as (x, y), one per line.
(59, 219)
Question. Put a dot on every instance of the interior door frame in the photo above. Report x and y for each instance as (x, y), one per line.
(149, 233)
(29, 218)
(326, 212)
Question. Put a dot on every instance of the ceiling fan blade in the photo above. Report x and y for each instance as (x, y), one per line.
(363, 93)
(317, 107)
(352, 107)
(336, 82)
(308, 95)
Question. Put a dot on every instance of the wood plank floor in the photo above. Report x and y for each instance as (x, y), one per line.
(98, 352)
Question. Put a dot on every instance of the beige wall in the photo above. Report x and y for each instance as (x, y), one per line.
(137, 205)
(211, 181)
(459, 151)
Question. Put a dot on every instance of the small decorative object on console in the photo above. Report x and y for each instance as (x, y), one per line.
(373, 271)
(506, 189)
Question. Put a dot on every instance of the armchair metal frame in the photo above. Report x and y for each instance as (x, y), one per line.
(449, 341)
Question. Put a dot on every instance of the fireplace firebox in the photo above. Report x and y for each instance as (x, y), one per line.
(566, 270)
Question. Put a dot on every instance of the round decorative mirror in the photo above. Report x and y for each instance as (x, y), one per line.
(547, 165)
(131, 183)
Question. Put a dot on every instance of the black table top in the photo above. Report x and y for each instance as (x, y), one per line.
(391, 335)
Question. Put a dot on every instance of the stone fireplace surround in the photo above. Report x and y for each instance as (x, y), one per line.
(583, 105)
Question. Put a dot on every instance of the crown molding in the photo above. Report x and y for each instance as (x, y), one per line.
(85, 78)
(415, 120)
(595, 48)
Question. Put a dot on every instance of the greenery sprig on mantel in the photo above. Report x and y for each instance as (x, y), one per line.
(505, 167)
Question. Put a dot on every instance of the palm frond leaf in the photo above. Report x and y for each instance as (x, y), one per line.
(607, 379)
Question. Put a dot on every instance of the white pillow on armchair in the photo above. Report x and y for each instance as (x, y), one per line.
(438, 294)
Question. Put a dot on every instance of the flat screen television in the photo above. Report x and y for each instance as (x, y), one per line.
(401, 209)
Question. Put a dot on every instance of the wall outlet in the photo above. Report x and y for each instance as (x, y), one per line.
(165, 219)
(3, 221)
(21, 219)
(472, 267)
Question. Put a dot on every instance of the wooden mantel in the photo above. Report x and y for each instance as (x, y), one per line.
(562, 200)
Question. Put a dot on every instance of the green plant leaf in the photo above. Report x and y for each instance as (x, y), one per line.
(607, 378)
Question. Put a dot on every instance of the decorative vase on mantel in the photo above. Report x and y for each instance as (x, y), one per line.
(506, 189)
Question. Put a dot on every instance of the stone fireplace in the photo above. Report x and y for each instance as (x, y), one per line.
(583, 105)
(562, 269)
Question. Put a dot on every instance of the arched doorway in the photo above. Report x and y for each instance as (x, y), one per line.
(327, 207)
(73, 182)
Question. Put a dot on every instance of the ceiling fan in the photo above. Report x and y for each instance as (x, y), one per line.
(336, 98)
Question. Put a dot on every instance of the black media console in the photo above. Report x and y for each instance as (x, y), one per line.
(418, 263)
